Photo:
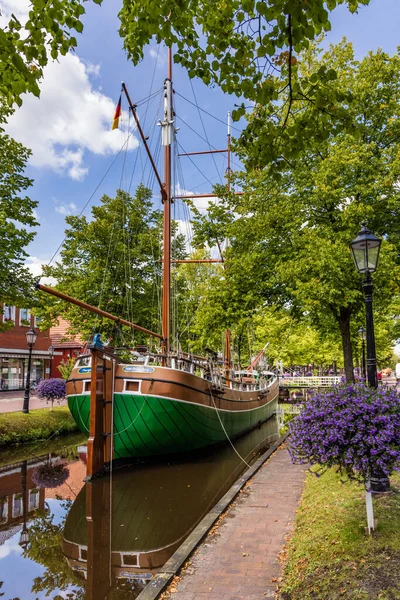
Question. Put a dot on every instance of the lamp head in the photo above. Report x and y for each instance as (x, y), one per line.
(365, 249)
(362, 332)
(31, 337)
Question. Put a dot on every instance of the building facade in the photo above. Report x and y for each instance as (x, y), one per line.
(14, 350)
(65, 345)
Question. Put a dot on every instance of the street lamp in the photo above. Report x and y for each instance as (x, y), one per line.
(31, 336)
(24, 537)
(365, 248)
(51, 353)
(362, 333)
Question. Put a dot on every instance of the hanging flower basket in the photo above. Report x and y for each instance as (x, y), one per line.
(50, 475)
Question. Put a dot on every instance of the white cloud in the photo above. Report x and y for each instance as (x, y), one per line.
(35, 266)
(159, 56)
(10, 546)
(19, 8)
(202, 203)
(66, 209)
(69, 118)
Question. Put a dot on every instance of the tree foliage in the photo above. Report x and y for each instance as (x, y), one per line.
(17, 219)
(112, 262)
(26, 46)
(45, 537)
(290, 231)
(251, 49)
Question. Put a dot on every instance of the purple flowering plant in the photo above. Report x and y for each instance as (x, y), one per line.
(352, 427)
(51, 389)
(50, 475)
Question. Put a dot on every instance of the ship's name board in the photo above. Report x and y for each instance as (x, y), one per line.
(138, 369)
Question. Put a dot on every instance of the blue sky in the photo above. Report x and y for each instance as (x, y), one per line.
(68, 129)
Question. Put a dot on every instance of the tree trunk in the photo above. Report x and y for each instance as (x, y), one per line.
(344, 325)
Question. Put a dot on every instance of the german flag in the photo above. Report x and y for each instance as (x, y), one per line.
(117, 115)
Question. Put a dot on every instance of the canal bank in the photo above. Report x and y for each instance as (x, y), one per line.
(239, 556)
(40, 424)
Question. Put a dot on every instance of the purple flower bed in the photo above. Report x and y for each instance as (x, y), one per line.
(354, 428)
(51, 389)
(50, 475)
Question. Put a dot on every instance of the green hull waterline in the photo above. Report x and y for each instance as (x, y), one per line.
(147, 426)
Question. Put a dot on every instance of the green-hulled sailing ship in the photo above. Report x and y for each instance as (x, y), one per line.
(170, 402)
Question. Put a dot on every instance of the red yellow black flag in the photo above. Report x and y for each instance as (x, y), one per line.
(117, 115)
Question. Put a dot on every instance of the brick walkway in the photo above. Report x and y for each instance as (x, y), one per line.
(13, 402)
(239, 560)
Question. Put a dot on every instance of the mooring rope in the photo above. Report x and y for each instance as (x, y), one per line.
(224, 430)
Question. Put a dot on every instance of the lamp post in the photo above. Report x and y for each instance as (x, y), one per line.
(51, 353)
(362, 333)
(365, 248)
(31, 336)
(24, 537)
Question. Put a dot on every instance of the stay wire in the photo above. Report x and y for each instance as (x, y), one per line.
(93, 193)
(205, 132)
(207, 113)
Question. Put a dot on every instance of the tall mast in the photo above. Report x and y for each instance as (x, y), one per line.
(227, 332)
(167, 133)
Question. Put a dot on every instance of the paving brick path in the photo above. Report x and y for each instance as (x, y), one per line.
(13, 402)
(239, 560)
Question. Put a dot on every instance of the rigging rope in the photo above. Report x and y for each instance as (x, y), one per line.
(207, 113)
(224, 430)
(204, 129)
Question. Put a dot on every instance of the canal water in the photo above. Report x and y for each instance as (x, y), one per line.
(62, 538)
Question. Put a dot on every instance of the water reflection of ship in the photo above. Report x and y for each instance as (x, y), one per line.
(131, 533)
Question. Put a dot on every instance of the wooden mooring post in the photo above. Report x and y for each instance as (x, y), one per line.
(98, 518)
(99, 446)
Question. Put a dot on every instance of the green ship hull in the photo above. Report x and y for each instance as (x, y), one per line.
(146, 426)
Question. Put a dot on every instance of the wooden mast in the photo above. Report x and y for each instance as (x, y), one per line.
(167, 133)
(227, 332)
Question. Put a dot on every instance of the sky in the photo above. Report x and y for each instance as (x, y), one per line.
(76, 158)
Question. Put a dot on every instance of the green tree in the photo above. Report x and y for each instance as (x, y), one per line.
(25, 47)
(113, 262)
(251, 49)
(16, 219)
(298, 222)
(44, 548)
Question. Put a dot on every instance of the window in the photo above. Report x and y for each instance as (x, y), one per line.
(132, 385)
(17, 505)
(24, 317)
(3, 510)
(37, 321)
(130, 559)
(33, 499)
(8, 313)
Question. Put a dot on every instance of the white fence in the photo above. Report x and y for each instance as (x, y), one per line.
(309, 382)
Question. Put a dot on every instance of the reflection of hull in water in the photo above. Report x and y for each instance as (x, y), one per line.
(155, 508)
(164, 411)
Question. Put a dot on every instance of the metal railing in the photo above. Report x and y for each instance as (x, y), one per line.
(310, 382)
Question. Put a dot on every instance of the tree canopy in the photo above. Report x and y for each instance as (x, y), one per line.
(17, 218)
(298, 222)
(250, 49)
(26, 46)
(113, 262)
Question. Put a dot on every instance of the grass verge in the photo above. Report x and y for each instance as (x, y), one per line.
(330, 556)
(39, 424)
